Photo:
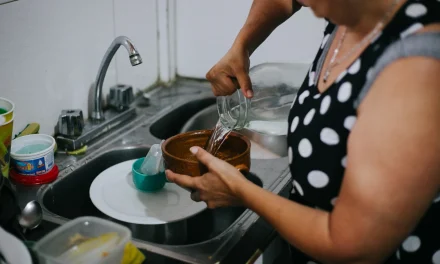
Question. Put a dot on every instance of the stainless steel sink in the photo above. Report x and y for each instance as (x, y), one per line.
(172, 122)
(69, 198)
(212, 236)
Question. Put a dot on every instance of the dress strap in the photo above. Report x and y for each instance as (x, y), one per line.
(325, 50)
(422, 44)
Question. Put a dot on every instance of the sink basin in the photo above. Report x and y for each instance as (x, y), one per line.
(202, 114)
(171, 123)
(69, 198)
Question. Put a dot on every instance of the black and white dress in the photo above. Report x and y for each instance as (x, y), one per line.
(320, 123)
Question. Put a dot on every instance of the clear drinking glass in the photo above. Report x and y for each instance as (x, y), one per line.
(275, 86)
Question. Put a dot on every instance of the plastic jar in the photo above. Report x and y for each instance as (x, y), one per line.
(33, 154)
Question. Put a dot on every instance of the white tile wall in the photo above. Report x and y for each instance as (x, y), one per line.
(206, 30)
(50, 51)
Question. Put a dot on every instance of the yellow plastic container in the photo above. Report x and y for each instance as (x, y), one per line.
(6, 128)
(6, 110)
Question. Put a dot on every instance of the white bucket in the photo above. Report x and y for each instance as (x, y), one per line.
(33, 154)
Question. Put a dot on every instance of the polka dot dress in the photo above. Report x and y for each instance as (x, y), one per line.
(320, 123)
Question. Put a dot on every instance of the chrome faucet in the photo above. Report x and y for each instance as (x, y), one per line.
(135, 59)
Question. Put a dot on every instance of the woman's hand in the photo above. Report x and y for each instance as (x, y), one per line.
(218, 187)
(231, 73)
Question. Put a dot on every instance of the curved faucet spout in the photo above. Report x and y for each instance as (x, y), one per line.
(135, 59)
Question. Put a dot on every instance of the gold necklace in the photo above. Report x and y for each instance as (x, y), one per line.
(372, 35)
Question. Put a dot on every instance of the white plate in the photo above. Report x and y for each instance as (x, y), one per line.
(14, 251)
(113, 193)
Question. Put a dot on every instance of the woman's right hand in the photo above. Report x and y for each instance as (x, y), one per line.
(231, 73)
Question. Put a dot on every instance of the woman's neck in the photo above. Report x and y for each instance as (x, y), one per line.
(367, 14)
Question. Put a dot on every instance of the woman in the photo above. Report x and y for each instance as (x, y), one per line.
(363, 142)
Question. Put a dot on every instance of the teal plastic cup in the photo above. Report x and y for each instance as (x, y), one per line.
(147, 183)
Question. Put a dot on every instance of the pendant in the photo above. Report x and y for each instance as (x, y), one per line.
(326, 74)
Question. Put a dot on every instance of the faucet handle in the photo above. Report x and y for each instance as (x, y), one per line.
(121, 96)
(71, 123)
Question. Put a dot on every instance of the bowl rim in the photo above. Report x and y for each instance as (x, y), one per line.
(10, 102)
(138, 172)
(203, 132)
(36, 155)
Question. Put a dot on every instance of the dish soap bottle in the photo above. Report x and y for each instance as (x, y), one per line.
(275, 86)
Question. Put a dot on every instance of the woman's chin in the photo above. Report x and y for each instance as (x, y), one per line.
(317, 9)
(303, 2)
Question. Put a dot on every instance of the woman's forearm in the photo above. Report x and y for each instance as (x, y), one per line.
(306, 228)
(263, 18)
(303, 227)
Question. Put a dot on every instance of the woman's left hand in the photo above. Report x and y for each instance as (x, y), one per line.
(218, 187)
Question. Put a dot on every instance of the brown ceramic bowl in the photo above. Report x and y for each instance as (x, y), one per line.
(175, 150)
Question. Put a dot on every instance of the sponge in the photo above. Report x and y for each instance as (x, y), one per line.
(32, 128)
(79, 151)
(132, 255)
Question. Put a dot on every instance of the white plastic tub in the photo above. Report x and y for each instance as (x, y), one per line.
(33, 154)
(52, 248)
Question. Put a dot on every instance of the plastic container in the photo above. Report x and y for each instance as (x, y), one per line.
(33, 154)
(35, 180)
(147, 183)
(275, 86)
(52, 248)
